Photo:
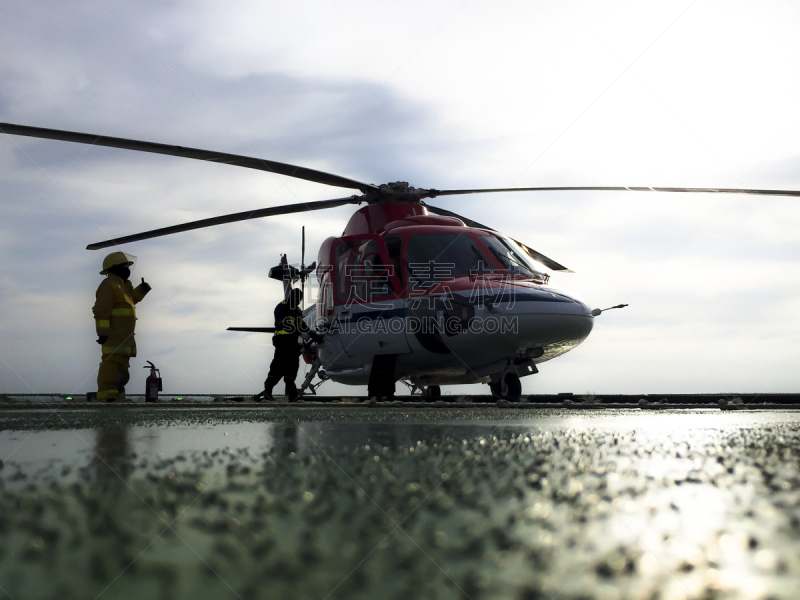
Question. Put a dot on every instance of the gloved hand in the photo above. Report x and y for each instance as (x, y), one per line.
(102, 339)
(145, 286)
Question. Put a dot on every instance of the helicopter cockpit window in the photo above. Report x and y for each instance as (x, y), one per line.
(434, 257)
(370, 274)
(513, 258)
(361, 273)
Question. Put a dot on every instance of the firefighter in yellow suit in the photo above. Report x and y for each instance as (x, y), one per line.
(115, 319)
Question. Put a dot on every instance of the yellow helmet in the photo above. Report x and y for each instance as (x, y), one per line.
(117, 259)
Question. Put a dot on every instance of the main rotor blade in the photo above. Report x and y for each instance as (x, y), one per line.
(232, 218)
(435, 193)
(209, 155)
(253, 329)
(548, 262)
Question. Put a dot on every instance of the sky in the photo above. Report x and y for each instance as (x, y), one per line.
(447, 94)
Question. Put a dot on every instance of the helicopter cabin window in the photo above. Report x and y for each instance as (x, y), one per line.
(325, 301)
(361, 273)
(327, 304)
(514, 259)
(434, 257)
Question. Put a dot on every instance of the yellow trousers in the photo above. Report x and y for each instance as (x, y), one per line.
(112, 377)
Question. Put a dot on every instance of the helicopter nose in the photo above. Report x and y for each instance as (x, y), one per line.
(540, 318)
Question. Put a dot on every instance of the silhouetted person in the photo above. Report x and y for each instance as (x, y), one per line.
(115, 319)
(289, 326)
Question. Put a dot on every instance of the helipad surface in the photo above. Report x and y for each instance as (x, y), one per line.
(392, 502)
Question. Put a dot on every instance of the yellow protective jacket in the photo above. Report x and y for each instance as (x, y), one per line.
(115, 315)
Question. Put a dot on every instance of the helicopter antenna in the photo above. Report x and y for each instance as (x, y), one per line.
(303, 268)
(596, 312)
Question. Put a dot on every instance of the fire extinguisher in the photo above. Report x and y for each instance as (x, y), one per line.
(153, 383)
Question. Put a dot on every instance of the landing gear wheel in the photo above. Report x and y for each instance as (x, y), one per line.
(432, 392)
(508, 388)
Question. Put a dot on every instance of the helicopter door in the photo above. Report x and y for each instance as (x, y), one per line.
(368, 301)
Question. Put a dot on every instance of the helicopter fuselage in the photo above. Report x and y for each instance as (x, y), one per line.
(453, 304)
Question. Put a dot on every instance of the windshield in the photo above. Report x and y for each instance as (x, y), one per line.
(435, 257)
(513, 258)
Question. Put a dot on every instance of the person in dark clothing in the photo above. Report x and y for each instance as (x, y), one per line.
(289, 326)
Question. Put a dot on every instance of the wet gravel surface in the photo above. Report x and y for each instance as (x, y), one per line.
(387, 502)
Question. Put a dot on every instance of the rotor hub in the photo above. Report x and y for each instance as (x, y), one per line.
(396, 191)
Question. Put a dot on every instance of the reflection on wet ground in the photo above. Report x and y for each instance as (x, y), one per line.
(395, 503)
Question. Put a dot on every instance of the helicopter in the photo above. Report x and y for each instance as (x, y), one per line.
(410, 292)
